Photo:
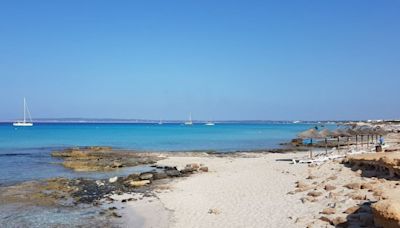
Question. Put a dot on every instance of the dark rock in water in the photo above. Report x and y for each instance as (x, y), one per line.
(124, 200)
(116, 164)
(133, 177)
(297, 142)
(115, 214)
(158, 176)
(146, 176)
(112, 208)
(173, 173)
(187, 170)
(88, 190)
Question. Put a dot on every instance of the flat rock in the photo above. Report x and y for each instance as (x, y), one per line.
(158, 176)
(329, 187)
(386, 213)
(194, 166)
(358, 196)
(351, 210)
(139, 183)
(328, 211)
(133, 177)
(146, 176)
(353, 186)
(368, 186)
(173, 173)
(314, 193)
(337, 221)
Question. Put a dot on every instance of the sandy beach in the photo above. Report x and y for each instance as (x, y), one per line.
(242, 191)
(251, 190)
(264, 190)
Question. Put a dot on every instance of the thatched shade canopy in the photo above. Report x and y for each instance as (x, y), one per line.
(380, 131)
(363, 130)
(352, 131)
(325, 133)
(309, 134)
(336, 133)
(344, 133)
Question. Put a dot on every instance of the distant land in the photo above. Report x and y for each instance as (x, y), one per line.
(139, 121)
(114, 120)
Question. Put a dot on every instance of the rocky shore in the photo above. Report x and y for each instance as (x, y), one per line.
(385, 167)
(95, 193)
(103, 158)
(360, 190)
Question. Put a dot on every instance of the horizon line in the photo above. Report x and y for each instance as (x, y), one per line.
(134, 120)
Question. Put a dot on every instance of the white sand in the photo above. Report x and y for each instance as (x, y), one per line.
(250, 190)
(245, 192)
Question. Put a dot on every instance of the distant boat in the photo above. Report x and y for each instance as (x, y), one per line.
(24, 123)
(189, 122)
(296, 121)
(209, 123)
(160, 122)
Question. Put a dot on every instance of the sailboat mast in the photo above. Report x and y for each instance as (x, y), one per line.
(24, 110)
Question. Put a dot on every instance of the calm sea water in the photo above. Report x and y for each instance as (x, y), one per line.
(25, 152)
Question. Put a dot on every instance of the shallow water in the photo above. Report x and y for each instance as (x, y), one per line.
(36, 164)
(15, 215)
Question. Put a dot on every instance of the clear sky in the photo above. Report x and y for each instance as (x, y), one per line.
(271, 60)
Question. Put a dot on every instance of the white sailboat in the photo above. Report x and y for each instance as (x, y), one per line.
(209, 123)
(189, 122)
(24, 123)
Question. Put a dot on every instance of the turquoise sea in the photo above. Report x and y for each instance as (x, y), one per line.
(25, 151)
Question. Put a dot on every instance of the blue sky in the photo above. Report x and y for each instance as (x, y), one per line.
(269, 60)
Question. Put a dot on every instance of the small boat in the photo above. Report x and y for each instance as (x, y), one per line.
(24, 123)
(189, 122)
(160, 123)
(209, 123)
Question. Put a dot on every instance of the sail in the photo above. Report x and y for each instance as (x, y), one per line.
(26, 112)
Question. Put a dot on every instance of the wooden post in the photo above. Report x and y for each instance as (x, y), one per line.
(326, 146)
(356, 142)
